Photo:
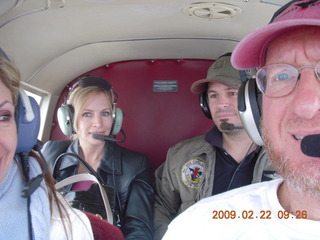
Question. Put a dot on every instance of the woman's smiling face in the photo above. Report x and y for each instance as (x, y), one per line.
(8, 129)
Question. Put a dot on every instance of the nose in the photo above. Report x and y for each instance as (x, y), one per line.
(223, 105)
(306, 100)
(223, 102)
(97, 121)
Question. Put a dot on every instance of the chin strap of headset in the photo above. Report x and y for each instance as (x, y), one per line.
(23, 160)
(31, 184)
(235, 172)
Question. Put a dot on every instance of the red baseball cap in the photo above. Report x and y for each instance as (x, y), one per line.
(250, 51)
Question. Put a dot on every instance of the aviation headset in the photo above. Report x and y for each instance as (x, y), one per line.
(249, 104)
(66, 111)
(203, 97)
(27, 115)
(249, 107)
(250, 100)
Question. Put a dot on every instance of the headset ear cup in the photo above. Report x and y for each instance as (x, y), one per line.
(117, 122)
(259, 101)
(249, 107)
(65, 119)
(27, 115)
(203, 97)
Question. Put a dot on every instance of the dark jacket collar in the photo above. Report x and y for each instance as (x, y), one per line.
(109, 161)
(214, 137)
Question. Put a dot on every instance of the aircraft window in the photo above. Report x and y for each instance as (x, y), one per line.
(41, 99)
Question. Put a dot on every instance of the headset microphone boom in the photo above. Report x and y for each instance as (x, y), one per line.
(229, 126)
(310, 145)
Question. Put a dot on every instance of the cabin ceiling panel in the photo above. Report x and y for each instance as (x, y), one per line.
(49, 37)
(63, 69)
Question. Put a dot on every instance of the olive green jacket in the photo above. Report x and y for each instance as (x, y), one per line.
(187, 176)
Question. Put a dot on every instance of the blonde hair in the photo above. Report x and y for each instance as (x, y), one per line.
(10, 77)
(79, 97)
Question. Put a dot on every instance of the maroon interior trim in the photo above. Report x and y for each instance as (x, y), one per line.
(154, 121)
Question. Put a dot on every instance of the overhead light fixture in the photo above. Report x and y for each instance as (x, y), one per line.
(212, 11)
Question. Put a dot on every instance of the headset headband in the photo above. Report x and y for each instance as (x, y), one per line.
(91, 80)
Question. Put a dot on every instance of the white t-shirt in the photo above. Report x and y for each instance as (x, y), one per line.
(250, 212)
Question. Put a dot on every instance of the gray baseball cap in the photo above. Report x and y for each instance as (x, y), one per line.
(220, 71)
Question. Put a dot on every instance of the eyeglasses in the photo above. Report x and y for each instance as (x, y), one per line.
(278, 80)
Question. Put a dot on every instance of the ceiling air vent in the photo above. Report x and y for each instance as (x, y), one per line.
(212, 11)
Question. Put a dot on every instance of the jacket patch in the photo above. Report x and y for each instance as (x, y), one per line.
(191, 173)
